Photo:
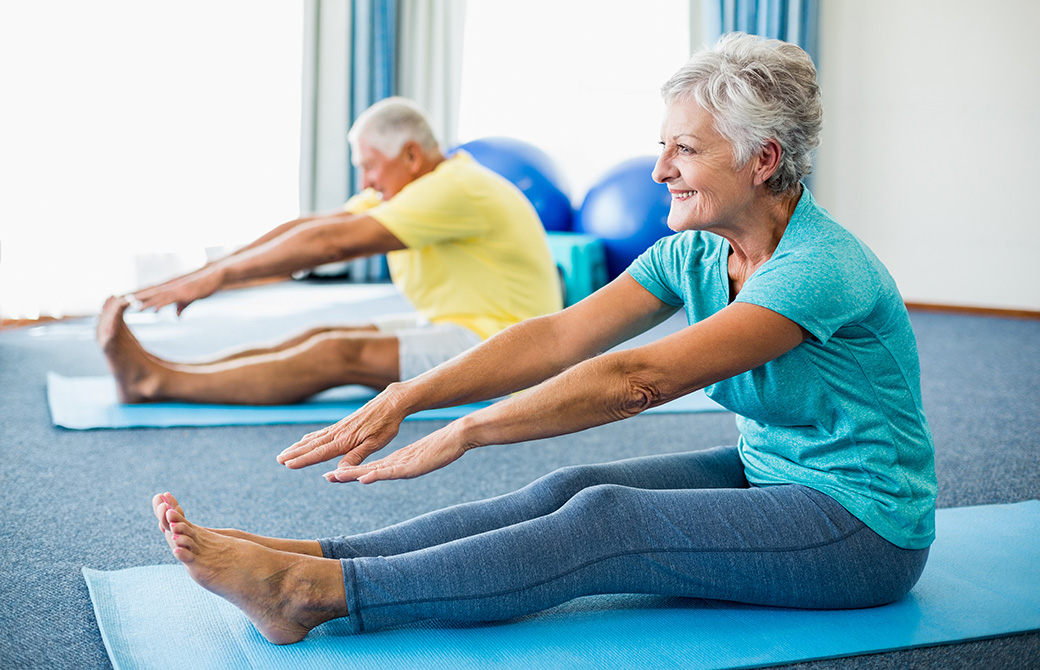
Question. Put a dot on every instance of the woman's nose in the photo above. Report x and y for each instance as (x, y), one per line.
(663, 169)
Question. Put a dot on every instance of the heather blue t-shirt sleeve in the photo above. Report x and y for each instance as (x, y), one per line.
(657, 268)
(685, 270)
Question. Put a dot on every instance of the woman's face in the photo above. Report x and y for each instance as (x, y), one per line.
(696, 163)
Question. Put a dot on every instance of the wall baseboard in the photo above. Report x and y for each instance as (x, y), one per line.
(912, 306)
(977, 311)
(18, 323)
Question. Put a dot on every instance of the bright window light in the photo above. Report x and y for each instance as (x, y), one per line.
(132, 128)
(578, 79)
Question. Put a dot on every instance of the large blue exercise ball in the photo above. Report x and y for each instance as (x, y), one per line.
(627, 210)
(532, 171)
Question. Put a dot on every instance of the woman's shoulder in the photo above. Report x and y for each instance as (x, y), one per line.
(816, 236)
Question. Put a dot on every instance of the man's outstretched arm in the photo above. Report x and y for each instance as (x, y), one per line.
(336, 237)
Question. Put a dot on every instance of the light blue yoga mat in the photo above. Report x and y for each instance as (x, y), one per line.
(90, 402)
(982, 580)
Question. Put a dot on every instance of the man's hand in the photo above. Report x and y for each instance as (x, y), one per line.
(183, 290)
(354, 438)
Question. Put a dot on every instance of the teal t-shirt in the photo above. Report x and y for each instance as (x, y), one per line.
(841, 413)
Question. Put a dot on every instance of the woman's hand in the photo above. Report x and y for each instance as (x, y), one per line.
(354, 438)
(431, 453)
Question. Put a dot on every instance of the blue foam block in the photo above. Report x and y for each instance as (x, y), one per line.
(982, 580)
(582, 261)
(80, 403)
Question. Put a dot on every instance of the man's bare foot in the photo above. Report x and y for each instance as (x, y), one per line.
(137, 374)
(163, 502)
(285, 595)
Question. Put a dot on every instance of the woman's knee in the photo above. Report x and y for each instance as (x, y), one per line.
(566, 482)
(610, 505)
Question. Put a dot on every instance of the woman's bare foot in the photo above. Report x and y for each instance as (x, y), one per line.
(137, 374)
(163, 502)
(285, 595)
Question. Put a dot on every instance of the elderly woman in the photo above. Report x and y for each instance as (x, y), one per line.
(827, 501)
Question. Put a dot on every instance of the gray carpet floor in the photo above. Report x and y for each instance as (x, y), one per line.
(70, 499)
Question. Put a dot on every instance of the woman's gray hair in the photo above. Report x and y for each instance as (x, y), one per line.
(388, 124)
(757, 89)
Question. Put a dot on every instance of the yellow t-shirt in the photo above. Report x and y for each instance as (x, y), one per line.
(477, 254)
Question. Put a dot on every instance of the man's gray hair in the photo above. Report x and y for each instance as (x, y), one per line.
(757, 89)
(388, 124)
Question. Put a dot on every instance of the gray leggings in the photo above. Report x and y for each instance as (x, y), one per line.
(679, 525)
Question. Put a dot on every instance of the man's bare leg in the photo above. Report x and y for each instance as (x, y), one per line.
(164, 502)
(329, 359)
(294, 341)
(284, 594)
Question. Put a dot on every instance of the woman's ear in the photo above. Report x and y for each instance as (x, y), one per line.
(767, 161)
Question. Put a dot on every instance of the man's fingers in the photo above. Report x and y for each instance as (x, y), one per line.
(153, 302)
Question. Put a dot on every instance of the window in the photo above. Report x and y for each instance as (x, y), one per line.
(132, 128)
(579, 80)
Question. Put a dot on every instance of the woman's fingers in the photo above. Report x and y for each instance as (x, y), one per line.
(311, 448)
(302, 454)
(354, 438)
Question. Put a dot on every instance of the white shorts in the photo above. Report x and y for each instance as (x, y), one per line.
(423, 345)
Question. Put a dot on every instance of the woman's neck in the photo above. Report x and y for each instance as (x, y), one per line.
(753, 245)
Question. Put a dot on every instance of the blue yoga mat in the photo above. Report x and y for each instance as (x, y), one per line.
(90, 402)
(982, 580)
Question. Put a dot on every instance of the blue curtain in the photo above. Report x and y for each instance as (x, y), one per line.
(373, 70)
(792, 21)
(350, 62)
(373, 76)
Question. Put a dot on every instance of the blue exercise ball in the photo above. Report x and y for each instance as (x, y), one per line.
(627, 210)
(532, 171)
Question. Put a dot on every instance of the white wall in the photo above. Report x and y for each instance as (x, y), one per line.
(931, 142)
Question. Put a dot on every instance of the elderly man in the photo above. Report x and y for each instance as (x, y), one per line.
(462, 244)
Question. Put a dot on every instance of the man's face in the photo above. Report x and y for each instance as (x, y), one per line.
(384, 174)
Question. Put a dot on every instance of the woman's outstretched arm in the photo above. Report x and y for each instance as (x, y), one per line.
(515, 359)
(600, 390)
